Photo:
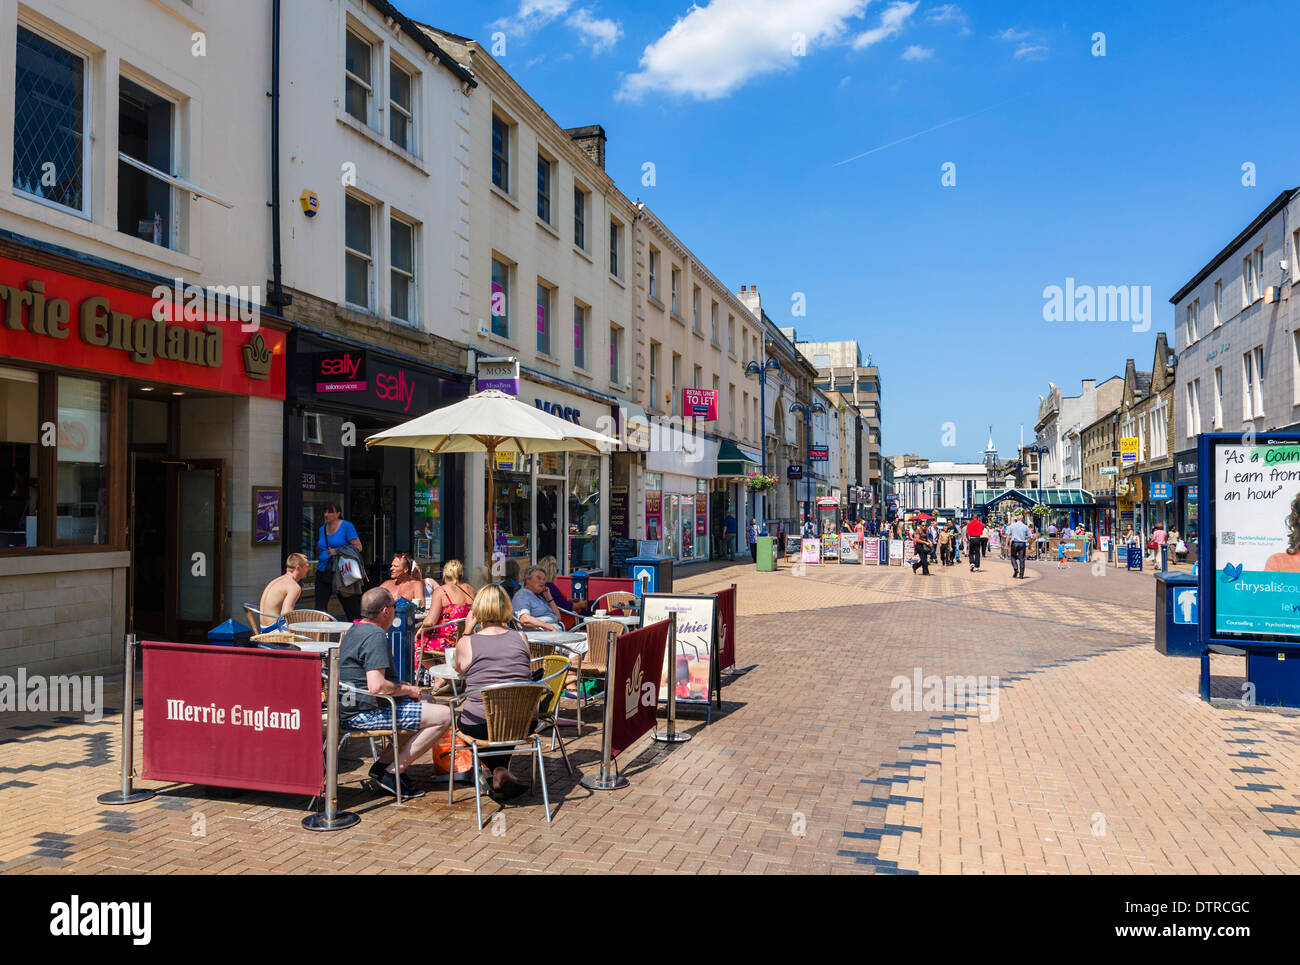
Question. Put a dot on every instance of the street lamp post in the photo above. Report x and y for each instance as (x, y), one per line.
(807, 410)
(760, 371)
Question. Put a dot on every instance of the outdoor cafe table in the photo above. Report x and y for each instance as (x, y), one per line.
(561, 637)
(627, 621)
(316, 646)
(335, 627)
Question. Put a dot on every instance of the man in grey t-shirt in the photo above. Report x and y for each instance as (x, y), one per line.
(531, 610)
(1018, 536)
(365, 663)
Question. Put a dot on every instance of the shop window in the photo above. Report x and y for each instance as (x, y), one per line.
(19, 452)
(146, 203)
(50, 134)
(359, 248)
(543, 319)
(81, 489)
(500, 299)
(429, 501)
(580, 313)
(358, 89)
(401, 119)
(514, 507)
(401, 255)
(584, 512)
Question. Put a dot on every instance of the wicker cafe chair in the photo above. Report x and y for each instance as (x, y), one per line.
(595, 661)
(383, 733)
(509, 709)
(278, 640)
(555, 668)
(309, 616)
(257, 619)
(614, 600)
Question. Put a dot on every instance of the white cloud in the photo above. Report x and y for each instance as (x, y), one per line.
(719, 47)
(1011, 35)
(1030, 52)
(600, 32)
(891, 23)
(949, 13)
(533, 15)
(917, 52)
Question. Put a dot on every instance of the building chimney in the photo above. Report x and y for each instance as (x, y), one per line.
(749, 298)
(592, 140)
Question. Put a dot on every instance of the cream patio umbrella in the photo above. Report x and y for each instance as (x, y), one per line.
(491, 422)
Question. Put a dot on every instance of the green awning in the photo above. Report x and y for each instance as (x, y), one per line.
(1036, 497)
(734, 460)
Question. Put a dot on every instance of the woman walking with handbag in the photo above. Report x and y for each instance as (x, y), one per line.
(333, 536)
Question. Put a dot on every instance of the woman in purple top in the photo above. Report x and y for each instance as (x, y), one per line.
(493, 654)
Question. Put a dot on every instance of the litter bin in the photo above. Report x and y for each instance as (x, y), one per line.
(231, 634)
(401, 640)
(650, 574)
(766, 554)
(1177, 615)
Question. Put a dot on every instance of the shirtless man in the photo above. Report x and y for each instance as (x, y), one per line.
(404, 582)
(281, 594)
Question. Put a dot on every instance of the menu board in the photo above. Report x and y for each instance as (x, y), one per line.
(895, 552)
(792, 547)
(850, 548)
(871, 551)
(622, 550)
(812, 550)
(831, 546)
(619, 515)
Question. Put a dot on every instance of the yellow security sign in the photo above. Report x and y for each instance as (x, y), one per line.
(1128, 449)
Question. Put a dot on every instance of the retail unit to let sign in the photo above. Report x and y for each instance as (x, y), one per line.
(819, 453)
(1249, 573)
(700, 403)
(1128, 449)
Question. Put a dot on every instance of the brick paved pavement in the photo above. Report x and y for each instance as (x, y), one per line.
(1101, 758)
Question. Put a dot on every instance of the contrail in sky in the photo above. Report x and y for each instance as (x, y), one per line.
(909, 137)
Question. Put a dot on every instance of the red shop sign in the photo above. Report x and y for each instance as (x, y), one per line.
(232, 717)
(700, 403)
(181, 334)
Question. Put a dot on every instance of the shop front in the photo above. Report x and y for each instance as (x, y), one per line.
(678, 482)
(1187, 500)
(1158, 508)
(552, 504)
(732, 495)
(132, 427)
(399, 500)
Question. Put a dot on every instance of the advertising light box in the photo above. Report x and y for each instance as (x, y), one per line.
(1249, 577)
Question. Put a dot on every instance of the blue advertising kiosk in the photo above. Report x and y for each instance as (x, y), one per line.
(1249, 573)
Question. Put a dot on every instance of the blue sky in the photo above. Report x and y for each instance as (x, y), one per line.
(1122, 169)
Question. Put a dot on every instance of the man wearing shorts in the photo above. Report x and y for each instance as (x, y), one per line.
(365, 663)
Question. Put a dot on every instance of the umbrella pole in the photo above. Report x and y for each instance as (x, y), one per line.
(491, 513)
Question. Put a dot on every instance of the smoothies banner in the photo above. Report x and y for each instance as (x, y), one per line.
(726, 627)
(1254, 487)
(696, 638)
(233, 717)
(634, 684)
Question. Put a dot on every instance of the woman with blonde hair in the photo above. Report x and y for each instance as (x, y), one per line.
(493, 654)
(451, 601)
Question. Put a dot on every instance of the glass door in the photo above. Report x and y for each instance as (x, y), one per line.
(201, 532)
(549, 517)
(672, 524)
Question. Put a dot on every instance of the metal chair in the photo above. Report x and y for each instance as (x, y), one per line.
(555, 668)
(388, 733)
(256, 616)
(595, 660)
(614, 600)
(509, 709)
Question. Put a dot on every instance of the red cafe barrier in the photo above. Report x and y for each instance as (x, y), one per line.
(233, 717)
(632, 679)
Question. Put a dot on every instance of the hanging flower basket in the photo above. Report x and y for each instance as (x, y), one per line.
(758, 482)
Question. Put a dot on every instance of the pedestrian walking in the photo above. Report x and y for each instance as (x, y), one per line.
(751, 536)
(922, 544)
(974, 543)
(729, 534)
(336, 539)
(1018, 535)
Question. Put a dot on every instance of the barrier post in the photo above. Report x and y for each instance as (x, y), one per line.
(732, 671)
(331, 819)
(671, 735)
(127, 794)
(607, 780)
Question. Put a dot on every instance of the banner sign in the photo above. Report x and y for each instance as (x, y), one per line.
(1128, 449)
(696, 639)
(1161, 491)
(793, 472)
(850, 548)
(895, 552)
(233, 717)
(1250, 580)
(700, 403)
(812, 550)
(871, 551)
(831, 546)
(501, 374)
(819, 453)
(634, 683)
(726, 627)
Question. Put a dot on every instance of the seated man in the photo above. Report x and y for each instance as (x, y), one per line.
(365, 663)
(281, 594)
(531, 610)
(404, 581)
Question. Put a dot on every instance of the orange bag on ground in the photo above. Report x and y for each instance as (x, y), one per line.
(442, 756)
